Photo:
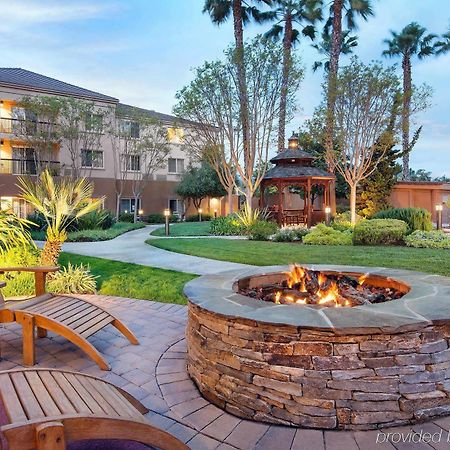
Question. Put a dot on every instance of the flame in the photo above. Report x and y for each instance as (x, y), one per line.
(329, 295)
(297, 275)
(277, 297)
(362, 278)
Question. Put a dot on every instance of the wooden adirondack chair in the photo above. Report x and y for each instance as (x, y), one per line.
(46, 409)
(73, 318)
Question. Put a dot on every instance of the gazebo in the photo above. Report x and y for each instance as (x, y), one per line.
(294, 169)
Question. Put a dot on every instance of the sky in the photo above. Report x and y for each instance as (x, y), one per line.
(143, 52)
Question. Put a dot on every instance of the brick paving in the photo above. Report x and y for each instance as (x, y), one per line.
(155, 373)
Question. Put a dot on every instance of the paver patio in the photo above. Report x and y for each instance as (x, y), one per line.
(155, 373)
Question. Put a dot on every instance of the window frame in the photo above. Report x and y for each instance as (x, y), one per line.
(83, 166)
(177, 169)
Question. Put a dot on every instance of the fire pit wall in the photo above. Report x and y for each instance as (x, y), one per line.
(321, 377)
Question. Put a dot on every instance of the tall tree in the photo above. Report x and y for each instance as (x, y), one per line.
(339, 8)
(241, 11)
(211, 103)
(365, 96)
(287, 15)
(412, 41)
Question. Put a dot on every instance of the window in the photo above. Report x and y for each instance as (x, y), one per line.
(92, 159)
(129, 128)
(175, 135)
(23, 161)
(23, 121)
(176, 206)
(176, 165)
(132, 163)
(127, 205)
(94, 122)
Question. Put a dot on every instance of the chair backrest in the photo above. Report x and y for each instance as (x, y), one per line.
(2, 299)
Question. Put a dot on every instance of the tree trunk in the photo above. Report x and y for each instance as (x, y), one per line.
(335, 51)
(287, 44)
(119, 198)
(136, 208)
(242, 83)
(353, 203)
(52, 248)
(248, 197)
(406, 65)
(230, 199)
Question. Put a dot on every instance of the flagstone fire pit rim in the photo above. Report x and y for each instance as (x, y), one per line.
(427, 302)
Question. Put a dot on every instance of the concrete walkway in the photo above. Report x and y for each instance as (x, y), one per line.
(131, 247)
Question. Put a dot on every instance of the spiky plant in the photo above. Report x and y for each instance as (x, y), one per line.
(248, 216)
(60, 202)
(73, 280)
(13, 232)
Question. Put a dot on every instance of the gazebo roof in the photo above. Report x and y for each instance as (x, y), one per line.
(296, 171)
(291, 153)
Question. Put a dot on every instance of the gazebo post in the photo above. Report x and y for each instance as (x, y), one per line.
(280, 204)
(261, 195)
(308, 196)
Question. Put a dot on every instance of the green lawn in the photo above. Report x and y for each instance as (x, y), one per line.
(133, 280)
(94, 235)
(271, 253)
(185, 229)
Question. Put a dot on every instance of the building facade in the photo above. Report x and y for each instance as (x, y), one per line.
(99, 162)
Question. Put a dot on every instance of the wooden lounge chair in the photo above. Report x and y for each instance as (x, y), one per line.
(73, 318)
(46, 409)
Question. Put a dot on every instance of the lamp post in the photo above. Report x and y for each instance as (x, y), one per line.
(166, 216)
(140, 213)
(439, 209)
(215, 214)
(327, 215)
(200, 210)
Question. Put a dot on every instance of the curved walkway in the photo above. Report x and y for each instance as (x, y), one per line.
(131, 247)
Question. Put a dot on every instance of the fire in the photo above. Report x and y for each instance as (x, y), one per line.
(362, 279)
(329, 295)
(297, 275)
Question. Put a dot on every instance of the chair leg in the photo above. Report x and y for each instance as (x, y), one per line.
(29, 357)
(41, 332)
(50, 436)
(125, 331)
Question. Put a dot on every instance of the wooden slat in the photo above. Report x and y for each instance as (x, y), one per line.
(71, 393)
(90, 385)
(78, 311)
(117, 401)
(57, 394)
(54, 305)
(98, 326)
(40, 392)
(11, 400)
(67, 308)
(75, 324)
(26, 395)
(84, 394)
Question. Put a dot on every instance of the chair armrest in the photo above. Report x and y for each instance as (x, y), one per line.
(40, 273)
(2, 284)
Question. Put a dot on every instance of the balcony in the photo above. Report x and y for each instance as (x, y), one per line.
(27, 166)
(24, 127)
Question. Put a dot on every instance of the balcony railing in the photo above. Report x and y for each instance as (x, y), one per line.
(27, 166)
(24, 126)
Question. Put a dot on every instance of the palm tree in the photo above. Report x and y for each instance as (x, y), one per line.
(241, 11)
(338, 8)
(286, 14)
(13, 232)
(412, 41)
(60, 202)
(324, 48)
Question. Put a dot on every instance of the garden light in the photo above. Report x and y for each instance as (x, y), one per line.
(439, 209)
(200, 210)
(167, 216)
(327, 215)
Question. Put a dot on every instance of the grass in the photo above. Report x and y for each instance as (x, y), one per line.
(185, 229)
(257, 253)
(94, 235)
(133, 280)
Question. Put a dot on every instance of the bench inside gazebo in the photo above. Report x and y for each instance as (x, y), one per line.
(294, 190)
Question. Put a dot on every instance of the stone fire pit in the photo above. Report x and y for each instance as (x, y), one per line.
(301, 365)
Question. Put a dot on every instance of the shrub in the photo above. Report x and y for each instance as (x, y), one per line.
(416, 218)
(247, 216)
(227, 226)
(323, 235)
(38, 221)
(262, 230)
(342, 221)
(428, 239)
(159, 218)
(194, 218)
(380, 232)
(290, 234)
(103, 235)
(99, 219)
(126, 217)
(73, 280)
(19, 284)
